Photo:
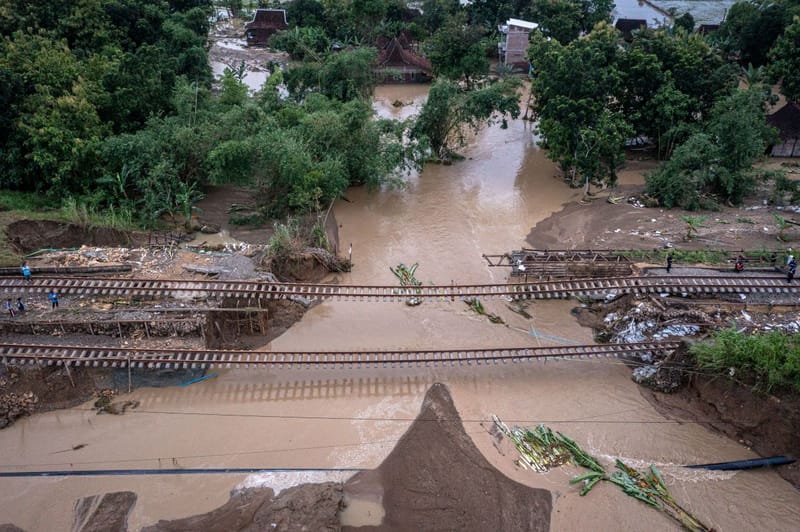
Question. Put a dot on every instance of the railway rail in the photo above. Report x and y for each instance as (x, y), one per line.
(119, 357)
(555, 289)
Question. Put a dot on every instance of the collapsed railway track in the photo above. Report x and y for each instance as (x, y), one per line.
(120, 357)
(556, 289)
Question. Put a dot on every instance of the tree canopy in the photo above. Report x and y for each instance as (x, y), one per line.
(451, 109)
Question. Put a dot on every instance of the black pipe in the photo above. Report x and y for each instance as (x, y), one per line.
(198, 471)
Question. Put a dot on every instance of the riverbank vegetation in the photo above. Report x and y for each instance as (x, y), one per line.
(770, 362)
(109, 107)
(699, 101)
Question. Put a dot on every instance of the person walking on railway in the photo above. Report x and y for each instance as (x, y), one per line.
(10, 308)
(792, 270)
(26, 272)
(53, 297)
(20, 306)
(669, 262)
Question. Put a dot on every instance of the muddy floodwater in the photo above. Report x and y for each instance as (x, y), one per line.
(444, 219)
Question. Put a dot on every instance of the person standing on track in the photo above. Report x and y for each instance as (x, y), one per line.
(10, 308)
(26, 272)
(20, 306)
(669, 262)
(53, 297)
(792, 270)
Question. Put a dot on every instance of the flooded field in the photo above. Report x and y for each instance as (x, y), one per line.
(444, 219)
(703, 11)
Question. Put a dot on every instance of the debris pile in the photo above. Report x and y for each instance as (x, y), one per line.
(13, 406)
(105, 403)
(541, 449)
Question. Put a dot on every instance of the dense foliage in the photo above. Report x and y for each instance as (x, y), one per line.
(76, 73)
(595, 92)
(451, 110)
(109, 101)
(716, 162)
(751, 28)
(769, 361)
(785, 56)
(565, 20)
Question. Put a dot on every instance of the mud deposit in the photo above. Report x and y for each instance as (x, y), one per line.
(436, 479)
(305, 507)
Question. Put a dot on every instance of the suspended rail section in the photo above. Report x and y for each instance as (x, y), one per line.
(556, 289)
(19, 354)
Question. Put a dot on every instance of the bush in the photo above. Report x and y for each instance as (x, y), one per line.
(771, 361)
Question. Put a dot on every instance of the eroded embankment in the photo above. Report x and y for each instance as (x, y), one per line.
(769, 425)
(680, 390)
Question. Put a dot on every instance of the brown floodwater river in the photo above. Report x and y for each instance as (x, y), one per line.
(445, 218)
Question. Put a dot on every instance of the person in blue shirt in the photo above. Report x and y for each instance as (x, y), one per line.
(53, 296)
(26, 272)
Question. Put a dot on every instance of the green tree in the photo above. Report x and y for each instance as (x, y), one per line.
(435, 13)
(458, 50)
(785, 57)
(302, 42)
(577, 93)
(717, 163)
(751, 28)
(306, 13)
(685, 22)
(450, 111)
(348, 75)
(565, 20)
(232, 90)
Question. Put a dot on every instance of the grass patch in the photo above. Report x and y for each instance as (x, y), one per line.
(12, 200)
(742, 220)
(768, 361)
(699, 256)
(80, 213)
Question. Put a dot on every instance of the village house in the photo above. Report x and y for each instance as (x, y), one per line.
(787, 121)
(514, 41)
(264, 24)
(396, 63)
(638, 10)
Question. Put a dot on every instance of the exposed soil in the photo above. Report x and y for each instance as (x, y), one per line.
(305, 507)
(27, 236)
(767, 424)
(603, 225)
(51, 388)
(436, 479)
(102, 513)
(221, 204)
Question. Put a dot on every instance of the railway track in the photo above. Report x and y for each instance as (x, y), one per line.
(119, 357)
(519, 290)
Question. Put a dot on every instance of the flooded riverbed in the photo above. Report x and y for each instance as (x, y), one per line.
(444, 219)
